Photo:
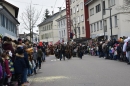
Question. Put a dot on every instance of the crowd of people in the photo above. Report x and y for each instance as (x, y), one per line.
(108, 49)
(19, 59)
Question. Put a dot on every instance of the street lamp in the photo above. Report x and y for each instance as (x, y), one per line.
(110, 21)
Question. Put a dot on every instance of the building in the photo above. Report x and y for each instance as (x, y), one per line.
(101, 24)
(27, 36)
(8, 19)
(48, 29)
(62, 27)
(77, 18)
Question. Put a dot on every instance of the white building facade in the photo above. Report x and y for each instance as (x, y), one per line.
(99, 19)
(49, 29)
(77, 18)
(62, 27)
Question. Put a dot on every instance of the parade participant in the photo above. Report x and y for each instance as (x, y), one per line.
(39, 56)
(80, 53)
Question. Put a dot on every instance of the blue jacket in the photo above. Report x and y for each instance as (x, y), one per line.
(19, 64)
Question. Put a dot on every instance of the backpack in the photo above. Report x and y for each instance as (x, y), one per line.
(39, 53)
(1, 72)
(128, 46)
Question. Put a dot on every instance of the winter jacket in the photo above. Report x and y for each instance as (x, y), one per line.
(19, 64)
(26, 59)
(7, 69)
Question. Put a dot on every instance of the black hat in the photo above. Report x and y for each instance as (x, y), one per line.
(19, 39)
(20, 50)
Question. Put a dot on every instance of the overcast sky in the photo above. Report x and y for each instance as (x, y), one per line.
(38, 4)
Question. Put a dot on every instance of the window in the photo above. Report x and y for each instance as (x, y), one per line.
(71, 11)
(105, 25)
(98, 8)
(6, 23)
(91, 11)
(104, 11)
(111, 3)
(59, 24)
(82, 18)
(101, 24)
(83, 30)
(77, 8)
(81, 5)
(49, 27)
(64, 32)
(116, 21)
(3, 20)
(45, 28)
(59, 33)
(64, 22)
(94, 27)
(74, 9)
(91, 26)
(97, 26)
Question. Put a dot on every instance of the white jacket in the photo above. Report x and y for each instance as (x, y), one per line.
(125, 45)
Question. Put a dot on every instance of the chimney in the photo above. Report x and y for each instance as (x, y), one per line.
(52, 12)
(59, 9)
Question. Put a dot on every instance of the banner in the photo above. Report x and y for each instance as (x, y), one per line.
(68, 18)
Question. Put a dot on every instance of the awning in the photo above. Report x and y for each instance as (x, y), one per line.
(88, 2)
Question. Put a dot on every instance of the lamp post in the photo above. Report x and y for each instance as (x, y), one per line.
(110, 21)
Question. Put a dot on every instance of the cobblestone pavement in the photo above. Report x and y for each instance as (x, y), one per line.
(89, 71)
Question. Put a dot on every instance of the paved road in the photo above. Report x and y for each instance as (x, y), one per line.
(90, 71)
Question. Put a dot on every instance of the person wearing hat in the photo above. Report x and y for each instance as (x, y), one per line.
(20, 43)
(19, 64)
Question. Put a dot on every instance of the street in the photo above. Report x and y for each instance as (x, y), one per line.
(89, 71)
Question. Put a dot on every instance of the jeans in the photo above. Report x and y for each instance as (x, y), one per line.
(111, 55)
(39, 62)
(60, 56)
(43, 58)
(24, 75)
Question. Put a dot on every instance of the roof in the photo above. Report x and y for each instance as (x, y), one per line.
(88, 2)
(50, 19)
(63, 17)
(16, 8)
(5, 10)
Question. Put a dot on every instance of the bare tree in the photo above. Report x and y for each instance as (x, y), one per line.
(30, 17)
(75, 25)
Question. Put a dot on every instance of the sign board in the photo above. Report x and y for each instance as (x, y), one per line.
(68, 18)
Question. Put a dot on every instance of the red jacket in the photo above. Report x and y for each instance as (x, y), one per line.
(7, 70)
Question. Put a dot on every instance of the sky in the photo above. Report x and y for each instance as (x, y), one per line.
(52, 5)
